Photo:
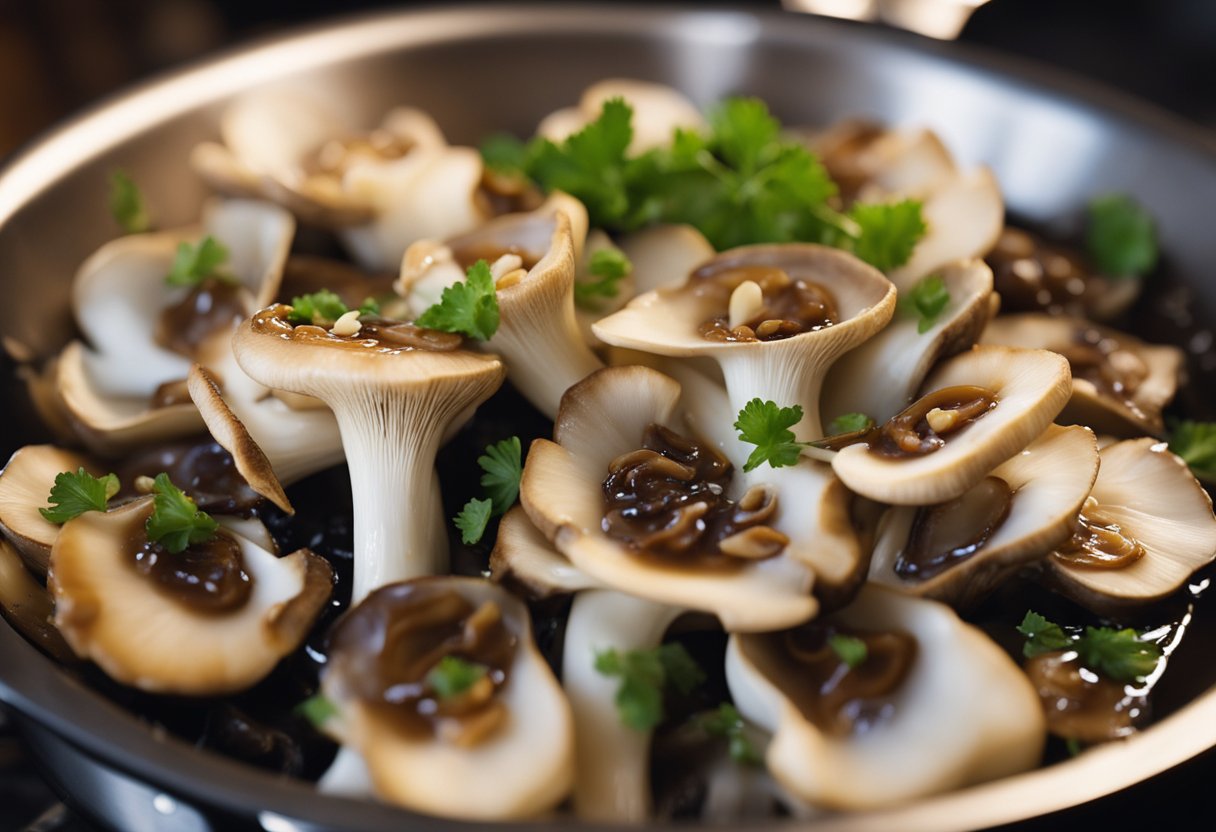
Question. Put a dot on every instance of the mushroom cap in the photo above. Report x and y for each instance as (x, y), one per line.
(489, 781)
(1088, 406)
(880, 377)
(1049, 481)
(26, 605)
(25, 483)
(1031, 387)
(912, 163)
(522, 556)
(602, 417)
(141, 637)
(657, 111)
(664, 255)
(1152, 495)
(964, 714)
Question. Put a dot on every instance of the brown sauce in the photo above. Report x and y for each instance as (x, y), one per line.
(1099, 543)
(667, 501)
(1032, 275)
(380, 335)
(948, 534)
(204, 470)
(1114, 370)
(791, 306)
(837, 699)
(908, 433)
(1082, 705)
(205, 577)
(209, 307)
(384, 650)
(306, 275)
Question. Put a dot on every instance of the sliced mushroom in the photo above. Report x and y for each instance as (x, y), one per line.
(910, 163)
(522, 556)
(788, 371)
(932, 705)
(959, 551)
(393, 403)
(166, 629)
(658, 110)
(27, 605)
(881, 377)
(1120, 383)
(457, 755)
(24, 485)
(605, 417)
(664, 255)
(1026, 390)
(612, 782)
(1146, 528)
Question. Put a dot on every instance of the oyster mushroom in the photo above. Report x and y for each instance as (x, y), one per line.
(1120, 383)
(148, 622)
(664, 255)
(450, 750)
(603, 422)
(394, 390)
(964, 216)
(881, 377)
(27, 605)
(658, 111)
(1145, 529)
(960, 550)
(522, 556)
(981, 408)
(24, 485)
(931, 704)
(724, 293)
(538, 335)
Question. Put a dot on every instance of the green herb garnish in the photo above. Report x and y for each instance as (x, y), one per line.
(503, 468)
(1121, 236)
(176, 522)
(504, 153)
(849, 649)
(767, 426)
(468, 308)
(453, 676)
(1195, 443)
(1120, 655)
(323, 308)
(645, 675)
(610, 266)
(850, 423)
(1042, 636)
(194, 263)
(127, 204)
(472, 520)
(926, 300)
(74, 494)
(888, 232)
(317, 709)
(726, 722)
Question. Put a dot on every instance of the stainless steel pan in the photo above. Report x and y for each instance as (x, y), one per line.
(1053, 142)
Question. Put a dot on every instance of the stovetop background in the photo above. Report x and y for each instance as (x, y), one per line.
(59, 55)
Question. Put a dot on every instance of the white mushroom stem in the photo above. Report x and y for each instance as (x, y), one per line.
(612, 783)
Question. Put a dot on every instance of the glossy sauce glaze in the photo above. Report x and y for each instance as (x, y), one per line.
(950, 533)
(380, 335)
(208, 578)
(909, 433)
(791, 306)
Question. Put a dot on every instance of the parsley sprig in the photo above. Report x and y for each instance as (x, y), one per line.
(726, 722)
(502, 467)
(610, 266)
(927, 300)
(452, 676)
(645, 675)
(1120, 655)
(467, 308)
(849, 649)
(887, 232)
(317, 709)
(195, 262)
(849, 423)
(176, 522)
(1121, 236)
(127, 204)
(74, 494)
(324, 307)
(767, 426)
(1195, 443)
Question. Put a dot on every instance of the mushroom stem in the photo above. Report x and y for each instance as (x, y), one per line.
(788, 377)
(612, 782)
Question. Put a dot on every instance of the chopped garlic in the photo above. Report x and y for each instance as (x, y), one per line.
(348, 324)
(941, 420)
(144, 484)
(745, 302)
(505, 265)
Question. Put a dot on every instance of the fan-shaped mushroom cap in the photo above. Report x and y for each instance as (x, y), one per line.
(789, 371)
(1047, 483)
(601, 418)
(964, 216)
(1030, 388)
(523, 556)
(26, 605)
(963, 714)
(1148, 372)
(880, 377)
(1150, 495)
(25, 483)
(142, 637)
(657, 111)
(612, 781)
(393, 407)
(489, 780)
(910, 163)
(664, 255)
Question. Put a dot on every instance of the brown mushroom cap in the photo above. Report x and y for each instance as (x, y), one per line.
(25, 485)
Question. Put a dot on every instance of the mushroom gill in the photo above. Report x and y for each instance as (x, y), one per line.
(523, 557)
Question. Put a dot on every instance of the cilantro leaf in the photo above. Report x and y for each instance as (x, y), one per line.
(317, 709)
(1121, 236)
(767, 426)
(1195, 443)
(1117, 654)
(127, 204)
(195, 263)
(726, 722)
(927, 300)
(317, 308)
(472, 520)
(176, 522)
(888, 232)
(370, 306)
(1042, 636)
(504, 153)
(645, 674)
(849, 423)
(850, 650)
(74, 494)
(611, 266)
(451, 676)
(503, 469)
(468, 308)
